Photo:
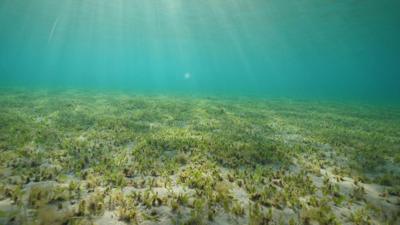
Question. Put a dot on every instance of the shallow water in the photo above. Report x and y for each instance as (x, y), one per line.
(287, 48)
(199, 112)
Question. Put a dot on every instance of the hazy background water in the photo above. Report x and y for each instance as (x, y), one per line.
(309, 48)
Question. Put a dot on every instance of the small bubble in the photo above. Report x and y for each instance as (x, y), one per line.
(187, 76)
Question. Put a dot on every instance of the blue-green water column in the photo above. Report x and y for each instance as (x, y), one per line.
(320, 48)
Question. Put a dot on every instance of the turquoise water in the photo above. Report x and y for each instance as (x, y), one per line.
(195, 112)
(310, 48)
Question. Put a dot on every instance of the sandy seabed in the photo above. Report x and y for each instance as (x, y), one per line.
(86, 157)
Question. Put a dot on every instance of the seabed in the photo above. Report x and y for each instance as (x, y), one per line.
(81, 157)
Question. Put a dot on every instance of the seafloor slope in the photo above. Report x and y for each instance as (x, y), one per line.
(74, 157)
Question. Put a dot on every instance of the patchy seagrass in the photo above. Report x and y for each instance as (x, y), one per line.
(76, 157)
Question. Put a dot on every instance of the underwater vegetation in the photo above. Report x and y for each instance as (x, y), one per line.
(76, 157)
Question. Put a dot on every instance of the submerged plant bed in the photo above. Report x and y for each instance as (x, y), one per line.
(77, 157)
